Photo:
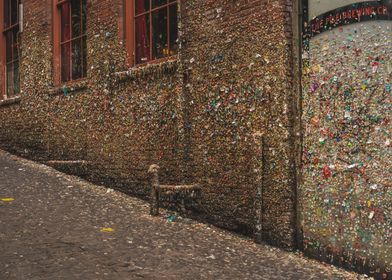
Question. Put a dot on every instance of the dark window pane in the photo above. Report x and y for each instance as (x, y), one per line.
(84, 57)
(76, 16)
(173, 30)
(8, 46)
(76, 59)
(141, 6)
(157, 3)
(65, 62)
(65, 22)
(84, 16)
(6, 13)
(10, 81)
(14, 11)
(159, 34)
(16, 78)
(142, 38)
(15, 51)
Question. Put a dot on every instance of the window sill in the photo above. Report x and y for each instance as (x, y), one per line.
(154, 69)
(10, 101)
(69, 88)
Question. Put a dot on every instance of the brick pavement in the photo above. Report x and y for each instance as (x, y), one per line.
(61, 227)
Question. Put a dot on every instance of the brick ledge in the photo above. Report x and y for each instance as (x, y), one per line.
(68, 88)
(156, 70)
(10, 101)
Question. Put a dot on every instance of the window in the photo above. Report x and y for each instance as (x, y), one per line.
(152, 29)
(10, 56)
(70, 50)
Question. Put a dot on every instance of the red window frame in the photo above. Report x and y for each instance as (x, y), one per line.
(9, 49)
(68, 47)
(133, 12)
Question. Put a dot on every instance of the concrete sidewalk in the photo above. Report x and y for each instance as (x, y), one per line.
(56, 226)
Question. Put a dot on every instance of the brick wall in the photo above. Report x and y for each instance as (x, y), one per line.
(237, 56)
(346, 208)
(221, 113)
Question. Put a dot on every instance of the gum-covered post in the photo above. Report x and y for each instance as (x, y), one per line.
(154, 182)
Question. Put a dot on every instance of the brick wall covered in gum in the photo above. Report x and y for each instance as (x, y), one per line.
(238, 60)
(200, 118)
(345, 199)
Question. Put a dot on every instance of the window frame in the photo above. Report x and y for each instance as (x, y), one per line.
(3, 50)
(2, 54)
(57, 43)
(130, 32)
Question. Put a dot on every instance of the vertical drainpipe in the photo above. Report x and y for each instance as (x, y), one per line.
(302, 6)
(259, 194)
(184, 122)
(297, 128)
(298, 40)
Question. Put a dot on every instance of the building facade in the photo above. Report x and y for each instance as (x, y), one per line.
(209, 90)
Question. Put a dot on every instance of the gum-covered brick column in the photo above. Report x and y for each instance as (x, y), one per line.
(346, 209)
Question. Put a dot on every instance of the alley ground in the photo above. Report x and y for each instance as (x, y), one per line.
(55, 226)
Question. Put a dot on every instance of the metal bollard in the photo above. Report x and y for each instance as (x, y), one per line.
(154, 182)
